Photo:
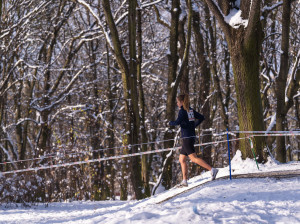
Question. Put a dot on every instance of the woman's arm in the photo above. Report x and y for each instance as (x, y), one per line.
(199, 118)
(178, 120)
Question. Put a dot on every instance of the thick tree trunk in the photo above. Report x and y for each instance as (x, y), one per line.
(245, 63)
(244, 45)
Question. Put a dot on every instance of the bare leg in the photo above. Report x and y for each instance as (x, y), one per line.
(199, 161)
(182, 160)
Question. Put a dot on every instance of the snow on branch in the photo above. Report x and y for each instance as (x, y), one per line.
(88, 7)
(20, 121)
(218, 7)
(272, 123)
(292, 79)
(4, 82)
(140, 6)
(62, 95)
(270, 8)
(160, 19)
(296, 64)
(119, 9)
(25, 18)
(70, 108)
(216, 10)
(8, 156)
(235, 20)
(150, 3)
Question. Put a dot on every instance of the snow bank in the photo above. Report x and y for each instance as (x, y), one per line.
(240, 166)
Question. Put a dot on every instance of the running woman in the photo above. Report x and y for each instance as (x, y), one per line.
(189, 119)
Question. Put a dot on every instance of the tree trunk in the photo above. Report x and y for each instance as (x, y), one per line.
(245, 63)
(244, 45)
(129, 77)
(184, 83)
(171, 89)
(204, 85)
(280, 84)
(136, 174)
(297, 115)
(0, 8)
(144, 163)
(213, 67)
(18, 115)
(174, 79)
(99, 187)
(110, 130)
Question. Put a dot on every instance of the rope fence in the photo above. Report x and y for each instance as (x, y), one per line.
(254, 134)
(53, 155)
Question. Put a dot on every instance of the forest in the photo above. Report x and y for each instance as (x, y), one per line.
(87, 88)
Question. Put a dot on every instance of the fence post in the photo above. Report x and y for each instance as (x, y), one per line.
(229, 154)
(251, 145)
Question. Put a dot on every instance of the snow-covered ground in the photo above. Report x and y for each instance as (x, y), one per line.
(263, 200)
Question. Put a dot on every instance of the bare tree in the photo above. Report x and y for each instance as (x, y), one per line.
(129, 76)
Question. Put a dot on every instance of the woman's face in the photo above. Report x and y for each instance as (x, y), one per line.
(179, 103)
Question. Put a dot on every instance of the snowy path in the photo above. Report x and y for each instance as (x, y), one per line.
(272, 174)
(255, 200)
(224, 201)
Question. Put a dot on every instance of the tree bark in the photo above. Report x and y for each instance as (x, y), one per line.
(246, 71)
(297, 114)
(184, 83)
(280, 84)
(129, 77)
(144, 163)
(0, 9)
(171, 88)
(213, 68)
(136, 173)
(205, 83)
(244, 46)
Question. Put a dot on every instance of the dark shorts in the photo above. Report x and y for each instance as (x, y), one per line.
(187, 146)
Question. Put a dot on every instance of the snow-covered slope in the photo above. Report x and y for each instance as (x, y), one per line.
(263, 200)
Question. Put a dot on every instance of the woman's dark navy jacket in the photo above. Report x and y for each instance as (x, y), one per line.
(188, 122)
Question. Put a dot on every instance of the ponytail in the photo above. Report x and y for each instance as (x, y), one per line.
(186, 101)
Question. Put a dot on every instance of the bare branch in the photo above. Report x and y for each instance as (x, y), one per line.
(159, 20)
(214, 7)
(88, 7)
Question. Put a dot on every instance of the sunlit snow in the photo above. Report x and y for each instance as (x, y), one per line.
(235, 20)
(258, 200)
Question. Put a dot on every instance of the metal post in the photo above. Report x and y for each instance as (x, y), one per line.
(229, 154)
